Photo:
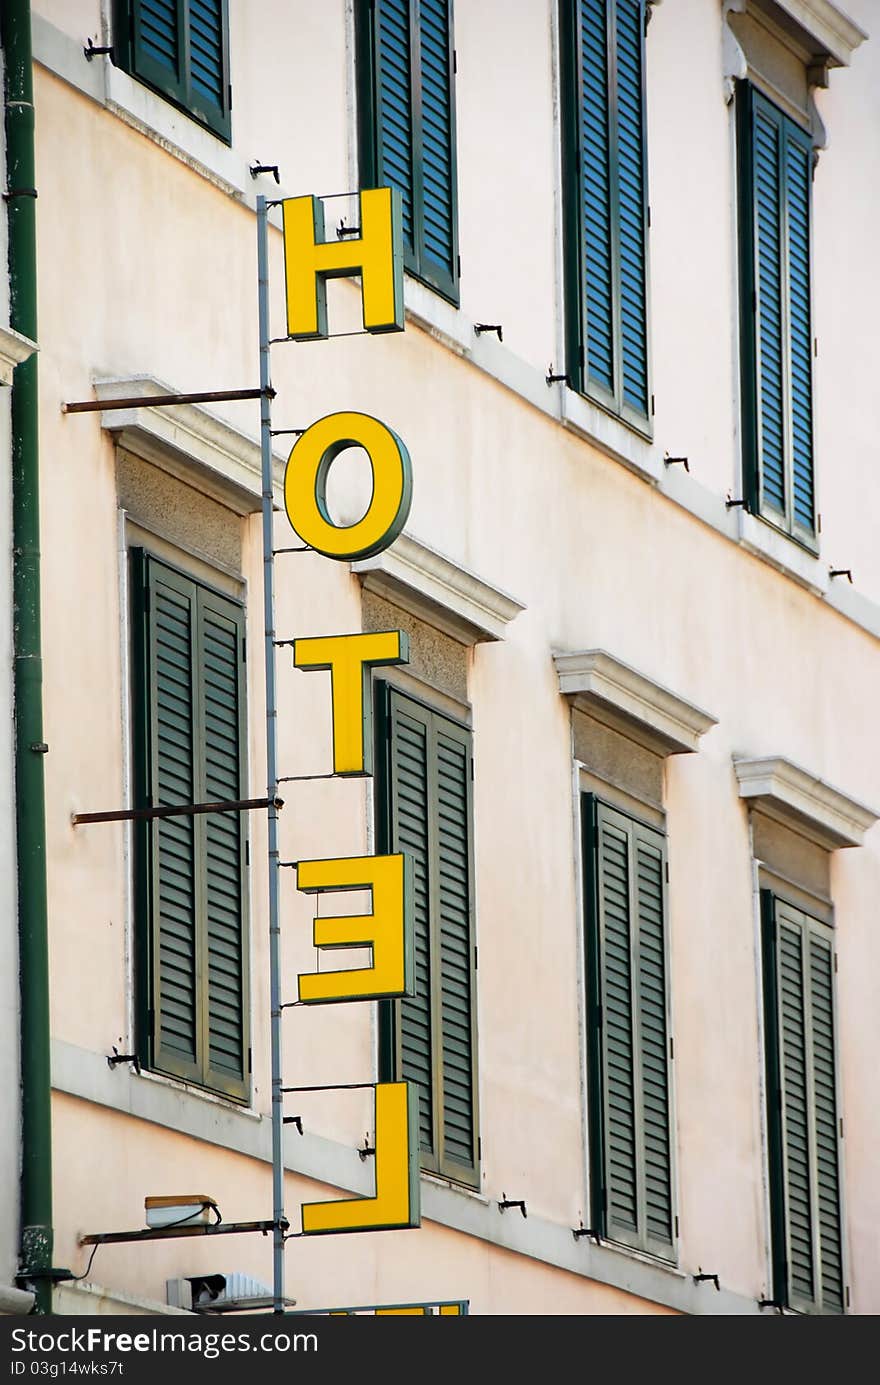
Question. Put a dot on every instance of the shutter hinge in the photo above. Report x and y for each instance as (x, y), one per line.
(250, 1060)
(847, 1295)
(479, 1148)
(815, 346)
(754, 300)
(676, 1228)
(652, 403)
(458, 265)
(244, 649)
(472, 769)
(649, 216)
(835, 963)
(476, 962)
(841, 1127)
(247, 853)
(818, 524)
(455, 59)
(671, 1049)
(666, 869)
(229, 96)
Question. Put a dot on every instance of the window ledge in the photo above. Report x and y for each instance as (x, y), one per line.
(630, 702)
(439, 591)
(14, 348)
(614, 437)
(799, 800)
(190, 443)
(760, 537)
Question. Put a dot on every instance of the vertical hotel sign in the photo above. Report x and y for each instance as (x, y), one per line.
(387, 930)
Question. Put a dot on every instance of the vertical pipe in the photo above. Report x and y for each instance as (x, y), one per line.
(271, 761)
(36, 1168)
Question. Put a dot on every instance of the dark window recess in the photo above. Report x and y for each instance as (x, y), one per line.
(190, 879)
(406, 118)
(424, 808)
(803, 1115)
(631, 1153)
(180, 48)
(606, 204)
(775, 159)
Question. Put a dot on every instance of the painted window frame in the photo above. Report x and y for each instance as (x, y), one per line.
(592, 809)
(574, 266)
(773, 897)
(152, 1055)
(128, 54)
(390, 1061)
(749, 101)
(367, 59)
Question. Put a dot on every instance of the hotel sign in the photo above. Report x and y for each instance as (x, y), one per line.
(387, 930)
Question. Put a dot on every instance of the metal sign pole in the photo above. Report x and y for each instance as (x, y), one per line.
(271, 763)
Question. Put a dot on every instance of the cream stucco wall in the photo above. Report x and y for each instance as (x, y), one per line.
(147, 266)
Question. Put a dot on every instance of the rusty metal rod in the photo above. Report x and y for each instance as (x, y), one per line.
(178, 810)
(168, 1233)
(150, 401)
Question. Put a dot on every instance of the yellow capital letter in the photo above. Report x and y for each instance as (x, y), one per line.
(305, 486)
(396, 1203)
(349, 659)
(388, 930)
(376, 254)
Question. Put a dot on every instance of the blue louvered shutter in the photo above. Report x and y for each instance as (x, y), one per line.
(427, 792)
(189, 724)
(605, 120)
(180, 47)
(632, 1165)
(803, 1116)
(407, 126)
(775, 173)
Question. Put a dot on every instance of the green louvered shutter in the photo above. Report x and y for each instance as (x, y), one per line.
(181, 48)
(224, 841)
(425, 786)
(775, 157)
(803, 1116)
(606, 203)
(631, 1146)
(406, 65)
(188, 695)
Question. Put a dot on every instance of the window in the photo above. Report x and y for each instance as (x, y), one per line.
(406, 105)
(606, 206)
(802, 1108)
(180, 48)
(425, 808)
(191, 888)
(775, 163)
(629, 1049)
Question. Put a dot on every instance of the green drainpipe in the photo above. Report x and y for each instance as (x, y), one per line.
(36, 1129)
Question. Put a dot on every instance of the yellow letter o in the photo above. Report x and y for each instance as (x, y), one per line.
(305, 486)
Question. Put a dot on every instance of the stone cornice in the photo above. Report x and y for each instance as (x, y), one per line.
(438, 591)
(190, 443)
(820, 28)
(796, 798)
(629, 701)
(14, 348)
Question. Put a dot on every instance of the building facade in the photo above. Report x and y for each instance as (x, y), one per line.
(631, 752)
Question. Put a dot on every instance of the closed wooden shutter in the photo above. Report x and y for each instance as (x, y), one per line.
(181, 48)
(425, 787)
(631, 1144)
(406, 66)
(802, 1109)
(775, 157)
(606, 202)
(188, 697)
